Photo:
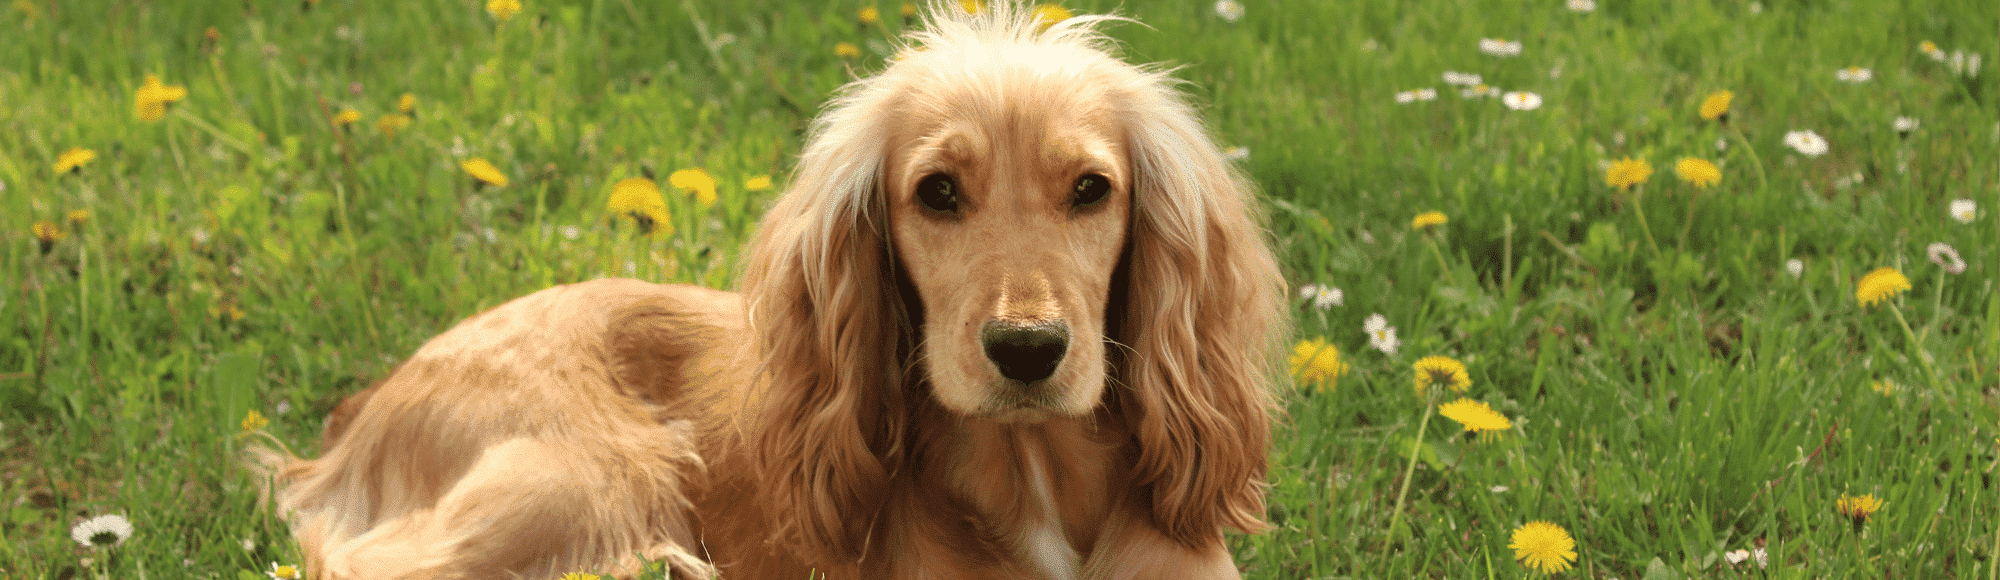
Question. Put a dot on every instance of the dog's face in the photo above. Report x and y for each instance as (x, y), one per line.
(1009, 198)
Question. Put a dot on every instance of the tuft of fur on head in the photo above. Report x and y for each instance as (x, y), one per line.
(1197, 317)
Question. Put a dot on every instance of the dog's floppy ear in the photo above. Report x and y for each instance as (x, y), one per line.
(1204, 307)
(823, 303)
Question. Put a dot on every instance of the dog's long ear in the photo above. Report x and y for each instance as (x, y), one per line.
(1204, 299)
(822, 300)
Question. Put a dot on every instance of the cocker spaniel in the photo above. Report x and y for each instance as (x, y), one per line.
(1014, 318)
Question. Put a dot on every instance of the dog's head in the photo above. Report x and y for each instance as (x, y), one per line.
(1016, 225)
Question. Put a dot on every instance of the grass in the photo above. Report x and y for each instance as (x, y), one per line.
(1675, 394)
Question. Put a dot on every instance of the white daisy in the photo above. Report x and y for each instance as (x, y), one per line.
(1237, 153)
(1964, 210)
(1943, 254)
(102, 531)
(1736, 556)
(1427, 94)
(1796, 267)
(1854, 74)
(1325, 297)
(1381, 336)
(1581, 5)
(1229, 10)
(1807, 142)
(1756, 8)
(1499, 47)
(1459, 78)
(1904, 124)
(1721, 144)
(1763, 559)
(1522, 100)
(1476, 91)
(1406, 97)
(286, 572)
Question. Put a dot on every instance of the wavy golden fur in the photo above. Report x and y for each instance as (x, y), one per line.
(1013, 318)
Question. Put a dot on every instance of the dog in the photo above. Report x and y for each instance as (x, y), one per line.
(1015, 317)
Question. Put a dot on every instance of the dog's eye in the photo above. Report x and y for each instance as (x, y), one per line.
(938, 192)
(1090, 189)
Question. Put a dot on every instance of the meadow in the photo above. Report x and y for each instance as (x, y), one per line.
(223, 217)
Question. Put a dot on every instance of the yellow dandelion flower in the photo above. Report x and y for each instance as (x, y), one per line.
(150, 103)
(1628, 172)
(1716, 106)
(695, 182)
(391, 124)
(1047, 15)
(758, 183)
(579, 576)
(847, 50)
(1858, 509)
(1441, 372)
(1697, 171)
(484, 171)
(1543, 546)
(1427, 219)
(909, 10)
(503, 10)
(639, 198)
(346, 117)
(406, 104)
(47, 232)
(1884, 386)
(1316, 362)
(1879, 285)
(869, 16)
(74, 159)
(78, 216)
(1476, 417)
(1928, 47)
(254, 421)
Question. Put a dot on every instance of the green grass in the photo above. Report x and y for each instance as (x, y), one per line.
(1672, 400)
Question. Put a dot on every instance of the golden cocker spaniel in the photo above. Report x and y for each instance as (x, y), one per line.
(1013, 319)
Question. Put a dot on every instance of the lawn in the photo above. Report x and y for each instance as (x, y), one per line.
(1695, 368)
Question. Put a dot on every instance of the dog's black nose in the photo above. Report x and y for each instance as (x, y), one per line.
(1025, 353)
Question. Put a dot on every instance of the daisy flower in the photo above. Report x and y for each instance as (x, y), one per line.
(1944, 255)
(1543, 546)
(1931, 49)
(1237, 153)
(503, 10)
(695, 182)
(639, 198)
(1715, 107)
(484, 172)
(1879, 285)
(1229, 10)
(1381, 336)
(1314, 362)
(1322, 297)
(1476, 417)
(1854, 74)
(1904, 125)
(150, 103)
(1406, 97)
(1795, 267)
(1427, 219)
(758, 183)
(1500, 47)
(1522, 100)
(1857, 509)
(1427, 94)
(1735, 557)
(1806, 142)
(1698, 172)
(1476, 91)
(846, 50)
(74, 159)
(1463, 79)
(1627, 172)
(1964, 210)
(284, 572)
(101, 532)
(1581, 5)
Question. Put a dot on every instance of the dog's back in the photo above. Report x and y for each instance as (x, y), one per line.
(494, 439)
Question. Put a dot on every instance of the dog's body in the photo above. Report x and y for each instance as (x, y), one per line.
(1012, 320)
